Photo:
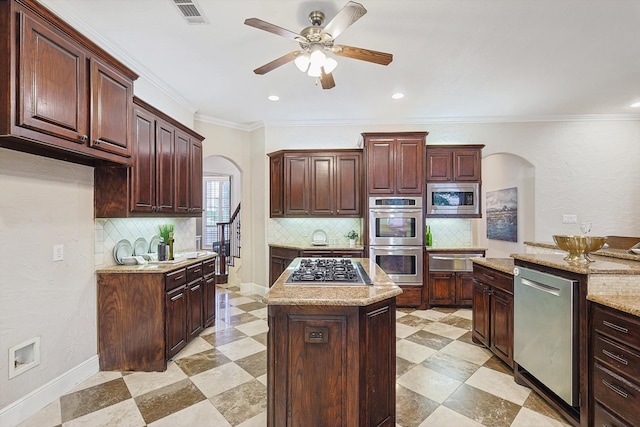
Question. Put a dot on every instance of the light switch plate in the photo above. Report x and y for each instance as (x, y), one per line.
(58, 252)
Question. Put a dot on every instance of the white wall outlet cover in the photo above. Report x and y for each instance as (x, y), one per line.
(24, 356)
(58, 252)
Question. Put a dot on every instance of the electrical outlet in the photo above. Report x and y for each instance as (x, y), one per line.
(58, 252)
(569, 219)
(305, 232)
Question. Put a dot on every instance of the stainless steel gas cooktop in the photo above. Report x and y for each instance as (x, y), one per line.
(328, 271)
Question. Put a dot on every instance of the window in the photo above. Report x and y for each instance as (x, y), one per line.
(217, 207)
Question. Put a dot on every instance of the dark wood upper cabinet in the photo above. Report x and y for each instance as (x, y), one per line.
(454, 163)
(165, 177)
(62, 96)
(395, 163)
(315, 183)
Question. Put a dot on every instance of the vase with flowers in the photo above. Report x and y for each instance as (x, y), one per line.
(352, 235)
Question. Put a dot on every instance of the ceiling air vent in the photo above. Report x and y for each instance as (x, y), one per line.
(190, 11)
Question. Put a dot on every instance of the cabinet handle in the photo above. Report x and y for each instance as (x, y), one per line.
(489, 276)
(615, 389)
(615, 357)
(175, 279)
(195, 288)
(196, 271)
(616, 327)
(177, 297)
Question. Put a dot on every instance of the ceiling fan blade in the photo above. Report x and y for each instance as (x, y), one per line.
(345, 17)
(381, 58)
(266, 26)
(326, 79)
(277, 62)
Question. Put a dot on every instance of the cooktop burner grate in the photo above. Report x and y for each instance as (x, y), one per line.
(330, 271)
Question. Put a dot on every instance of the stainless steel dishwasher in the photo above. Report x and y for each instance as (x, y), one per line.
(545, 330)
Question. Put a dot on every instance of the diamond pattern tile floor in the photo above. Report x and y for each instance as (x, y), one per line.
(219, 379)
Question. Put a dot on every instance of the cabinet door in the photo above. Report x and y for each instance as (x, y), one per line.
(480, 313)
(348, 184)
(442, 288)
(502, 325)
(143, 176)
(322, 188)
(296, 191)
(466, 165)
(276, 193)
(165, 175)
(209, 302)
(176, 320)
(409, 164)
(195, 180)
(53, 82)
(111, 106)
(196, 308)
(380, 166)
(182, 145)
(439, 165)
(464, 289)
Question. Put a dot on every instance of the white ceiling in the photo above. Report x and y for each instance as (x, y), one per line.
(456, 60)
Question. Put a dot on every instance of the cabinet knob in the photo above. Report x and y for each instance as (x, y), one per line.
(96, 142)
(84, 138)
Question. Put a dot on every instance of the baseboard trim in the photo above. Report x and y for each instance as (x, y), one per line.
(252, 288)
(18, 411)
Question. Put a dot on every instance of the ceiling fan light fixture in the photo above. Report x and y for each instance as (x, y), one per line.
(314, 70)
(302, 61)
(317, 56)
(330, 64)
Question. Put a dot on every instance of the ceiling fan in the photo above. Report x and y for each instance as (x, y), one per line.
(316, 40)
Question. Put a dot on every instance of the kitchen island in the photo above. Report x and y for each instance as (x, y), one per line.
(331, 352)
(612, 281)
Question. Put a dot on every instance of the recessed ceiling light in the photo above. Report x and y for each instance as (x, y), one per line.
(635, 105)
(274, 98)
(398, 95)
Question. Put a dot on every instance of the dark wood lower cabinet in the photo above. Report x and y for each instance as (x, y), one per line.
(450, 288)
(492, 311)
(146, 318)
(331, 365)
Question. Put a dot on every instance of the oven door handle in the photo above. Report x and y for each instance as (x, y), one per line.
(394, 249)
(395, 211)
(540, 286)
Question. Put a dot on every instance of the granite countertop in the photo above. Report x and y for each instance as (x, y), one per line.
(310, 247)
(338, 295)
(601, 264)
(504, 265)
(157, 267)
(608, 252)
(626, 303)
(454, 248)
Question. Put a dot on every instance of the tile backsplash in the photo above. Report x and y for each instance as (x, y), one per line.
(299, 231)
(110, 231)
(451, 232)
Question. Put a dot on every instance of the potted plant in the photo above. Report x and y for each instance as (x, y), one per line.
(352, 235)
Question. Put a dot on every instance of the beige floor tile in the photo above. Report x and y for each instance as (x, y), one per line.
(413, 352)
(259, 420)
(464, 313)
(468, 352)
(98, 378)
(445, 417)
(49, 416)
(429, 314)
(403, 331)
(429, 383)
(253, 328)
(262, 313)
(499, 384)
(197, 345)
(445, 330)
(123, 414)
(527, 418)
(240, 300)
(143, 382)
(221, 379)
(241, 348)
(202, 414)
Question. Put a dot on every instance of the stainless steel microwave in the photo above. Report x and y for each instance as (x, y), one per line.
(453, 199)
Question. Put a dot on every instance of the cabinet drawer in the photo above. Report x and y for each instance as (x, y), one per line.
(618, 326)
(411, 296)
(175, 279)
(194, 272)
(493, 277)
(617, 394)
(284, 252)
(619, 358)
(209, 267)
(602, 418)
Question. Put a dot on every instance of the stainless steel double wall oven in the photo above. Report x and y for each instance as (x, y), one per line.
(396, 242)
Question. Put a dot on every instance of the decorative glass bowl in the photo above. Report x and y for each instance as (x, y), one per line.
(579, 247)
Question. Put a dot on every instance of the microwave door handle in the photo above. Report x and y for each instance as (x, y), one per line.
(540, 286)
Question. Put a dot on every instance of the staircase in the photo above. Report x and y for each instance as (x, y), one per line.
(228, 247)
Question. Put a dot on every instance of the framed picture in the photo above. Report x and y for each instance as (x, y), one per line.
(502, 214)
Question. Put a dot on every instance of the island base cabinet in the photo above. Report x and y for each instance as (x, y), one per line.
(332, 365)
